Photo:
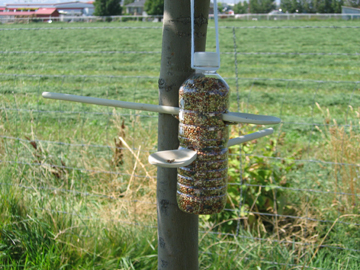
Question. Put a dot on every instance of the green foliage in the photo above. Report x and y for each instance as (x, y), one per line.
(107, 8)
(326, 6)
(291, 6)
(126, 2)
(154, 7)
(261, 6)
(336, 5)
(256, 192)
(31, 238)
(241, 7)
(353, 3)
(220, 7)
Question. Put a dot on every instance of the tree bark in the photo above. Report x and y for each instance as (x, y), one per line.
(177, 231)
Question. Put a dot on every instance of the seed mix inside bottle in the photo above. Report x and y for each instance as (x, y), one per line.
(201, 187)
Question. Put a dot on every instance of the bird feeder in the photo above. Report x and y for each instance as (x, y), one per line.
(202, 157)
(203, 98)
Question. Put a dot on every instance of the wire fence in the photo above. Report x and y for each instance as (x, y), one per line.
(146, 52)
(158, 27)
(22, 17)
(289, 189)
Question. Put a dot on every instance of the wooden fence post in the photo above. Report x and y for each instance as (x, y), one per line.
(177, 231)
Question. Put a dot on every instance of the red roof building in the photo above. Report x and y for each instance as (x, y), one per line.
(40, 13)
(18, 13)
(67, 8)
(47, 12)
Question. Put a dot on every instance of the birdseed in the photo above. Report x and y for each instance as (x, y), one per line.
(201, 187)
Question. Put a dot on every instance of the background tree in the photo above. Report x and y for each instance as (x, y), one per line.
(312, 6)
(220, 7)
(336, 5)
(241, 7)
(323, 6)
(291, 6)
(262, 6)
(126, 2)
(154, 7)
(308, 6)
(107, 7)
(353, 3)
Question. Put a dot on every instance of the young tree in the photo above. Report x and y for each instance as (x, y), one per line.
(154, 7)
(107, 7)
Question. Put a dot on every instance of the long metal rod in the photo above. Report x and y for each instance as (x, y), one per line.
(228, 117)
(113, 103)
(250, 137)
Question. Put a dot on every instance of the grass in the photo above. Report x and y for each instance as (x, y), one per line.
(71, 195)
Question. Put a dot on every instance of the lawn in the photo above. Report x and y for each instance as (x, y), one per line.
(70, 189)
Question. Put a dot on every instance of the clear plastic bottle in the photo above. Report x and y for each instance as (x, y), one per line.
(203, 98)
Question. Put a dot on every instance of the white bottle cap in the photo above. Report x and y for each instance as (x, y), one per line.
(206, 60)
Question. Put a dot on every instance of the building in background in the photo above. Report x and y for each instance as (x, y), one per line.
(64, 9)
(350, 13)
(136, 8)
(75, 8)
(46, 12)
(39, 13)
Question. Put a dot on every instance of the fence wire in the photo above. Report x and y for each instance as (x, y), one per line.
(47, 165)
(158, 52)
(14, 75)
(146, 27)
(25, 154)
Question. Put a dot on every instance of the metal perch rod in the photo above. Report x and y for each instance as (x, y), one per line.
(250, 137)
(228, 117)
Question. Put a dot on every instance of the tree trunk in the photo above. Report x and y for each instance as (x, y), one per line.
(177, 231)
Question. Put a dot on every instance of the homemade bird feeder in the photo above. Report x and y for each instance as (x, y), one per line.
(202, 157)
(203, 133)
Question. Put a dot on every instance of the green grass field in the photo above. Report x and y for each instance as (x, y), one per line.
(69, 198)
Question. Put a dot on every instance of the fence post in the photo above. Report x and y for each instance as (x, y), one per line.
(177, 231)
